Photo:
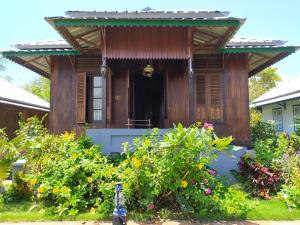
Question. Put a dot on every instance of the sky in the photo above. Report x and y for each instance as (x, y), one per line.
(23, 21)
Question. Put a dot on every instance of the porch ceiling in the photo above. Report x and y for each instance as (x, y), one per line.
(36, 60)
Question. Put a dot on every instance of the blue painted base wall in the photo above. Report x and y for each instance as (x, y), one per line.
(111, 139)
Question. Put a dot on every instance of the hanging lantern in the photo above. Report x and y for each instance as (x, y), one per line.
(148, 71)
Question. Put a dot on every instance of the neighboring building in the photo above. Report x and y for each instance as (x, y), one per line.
(281, 104)
(138, 69)
(15, 100)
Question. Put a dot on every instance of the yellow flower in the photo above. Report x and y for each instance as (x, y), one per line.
(69, 136)
(92, 210)
(74, 156)
(41, 189)
(184, 183)
(136, 162)
(55, 190)
(33, 182)
(90, 179)
(65, 190)
(200, 165)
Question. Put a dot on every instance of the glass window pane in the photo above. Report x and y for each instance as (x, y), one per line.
(297, 117)
(277, 117)
(97, 103)
(98, 81)
(97, 114)
(97, 92)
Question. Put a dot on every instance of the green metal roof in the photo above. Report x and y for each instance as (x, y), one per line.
(49, 52)
(143, 22)
(264, 49)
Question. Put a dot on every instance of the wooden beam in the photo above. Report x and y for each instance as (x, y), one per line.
(86, 33)
(208, 33)
(87, 41)
(64, 31)
(269, 62)
(225, 37)
(30, 66)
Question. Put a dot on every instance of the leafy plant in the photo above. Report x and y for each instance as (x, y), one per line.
(263, 131)
(262, 181)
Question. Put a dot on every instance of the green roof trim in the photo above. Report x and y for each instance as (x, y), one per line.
(40, 53)
(141, 22)
(289, 49)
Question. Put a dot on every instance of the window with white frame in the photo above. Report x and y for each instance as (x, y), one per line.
(278, 119)
(296, 113)
(97, 98)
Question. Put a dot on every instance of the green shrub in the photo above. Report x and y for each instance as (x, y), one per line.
(173, 173)
(263, 131)
(83, 180)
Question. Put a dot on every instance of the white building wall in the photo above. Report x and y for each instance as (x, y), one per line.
(287, 114)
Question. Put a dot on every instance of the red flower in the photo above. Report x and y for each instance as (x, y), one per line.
(151, 206)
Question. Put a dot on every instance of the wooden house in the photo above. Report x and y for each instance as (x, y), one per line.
(119, 72)
(15, 101)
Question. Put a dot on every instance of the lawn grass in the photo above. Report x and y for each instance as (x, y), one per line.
(263, 210)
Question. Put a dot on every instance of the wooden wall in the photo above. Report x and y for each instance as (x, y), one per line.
(62, 94)
(10, 115)
(236, 98)
(177, 93)
(147, 43)
(234, 92)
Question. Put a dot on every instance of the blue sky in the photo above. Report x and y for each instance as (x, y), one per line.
(23, 21)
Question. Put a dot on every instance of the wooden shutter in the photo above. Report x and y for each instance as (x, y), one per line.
(208, 71)
(214, 97)
(80, 97)
(201, 98)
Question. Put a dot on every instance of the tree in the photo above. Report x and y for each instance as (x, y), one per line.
(263, 82)
(39, 87)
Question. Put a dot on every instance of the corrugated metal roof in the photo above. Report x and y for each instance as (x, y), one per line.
(148, 14)
(255, 42)
(63, 45)
(17, 95)
(43, 44)
(283, 91)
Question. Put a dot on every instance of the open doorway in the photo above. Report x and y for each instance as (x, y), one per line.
(148, 99)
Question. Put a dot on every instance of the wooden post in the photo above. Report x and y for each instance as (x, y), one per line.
(191, 79)
(191, 93)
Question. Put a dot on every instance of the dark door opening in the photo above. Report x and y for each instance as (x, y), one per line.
(148, 99)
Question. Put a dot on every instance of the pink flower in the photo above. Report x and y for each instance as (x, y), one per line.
(208, 126)
(207, 191)
(212, 172)
(151, 206)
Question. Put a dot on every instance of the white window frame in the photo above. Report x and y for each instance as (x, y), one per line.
(278, 122)
(294, 116)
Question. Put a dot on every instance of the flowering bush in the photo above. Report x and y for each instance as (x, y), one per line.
(173, 172)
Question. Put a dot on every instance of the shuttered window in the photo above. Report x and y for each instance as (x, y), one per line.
(80, 97)
(208, 91)
(208, 97)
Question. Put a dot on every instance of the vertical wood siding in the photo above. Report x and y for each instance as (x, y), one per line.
(147, 43)
(236, 97)
(62, 101)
